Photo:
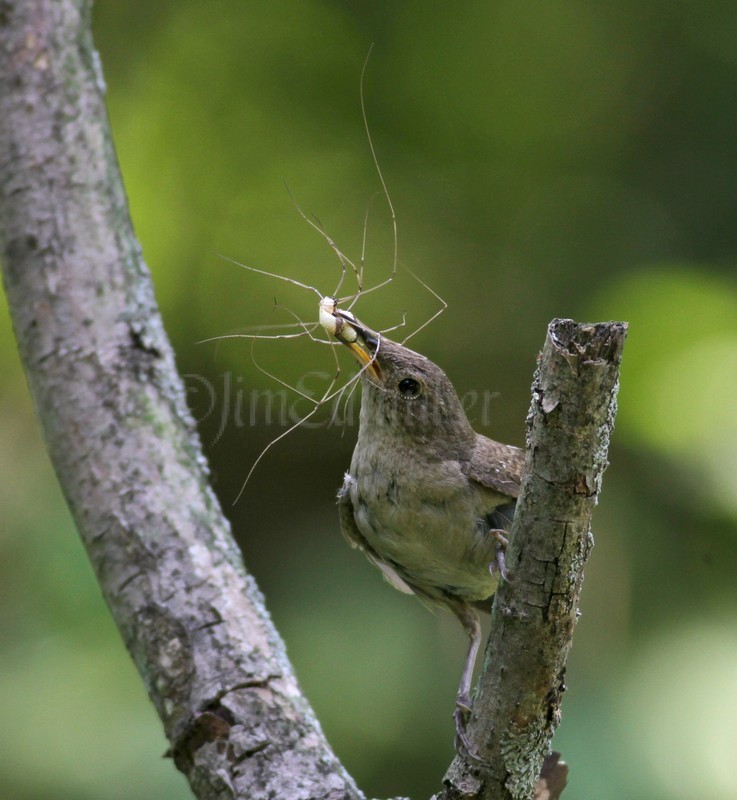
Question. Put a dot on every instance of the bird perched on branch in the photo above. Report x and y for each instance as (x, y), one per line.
(427, 499)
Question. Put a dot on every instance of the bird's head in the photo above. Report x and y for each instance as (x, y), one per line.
(402, 389)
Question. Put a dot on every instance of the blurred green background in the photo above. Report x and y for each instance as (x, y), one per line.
(545, 159)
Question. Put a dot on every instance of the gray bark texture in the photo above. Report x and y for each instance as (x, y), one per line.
(517, 705)
(128, 458)
(120, 436)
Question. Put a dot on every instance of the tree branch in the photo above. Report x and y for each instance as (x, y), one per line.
(120, 435)
(517, 706)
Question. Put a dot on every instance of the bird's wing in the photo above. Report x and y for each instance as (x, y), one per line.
(348, 526)
(496, 466)
(356, 539)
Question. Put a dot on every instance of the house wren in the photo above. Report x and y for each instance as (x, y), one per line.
(426, 498)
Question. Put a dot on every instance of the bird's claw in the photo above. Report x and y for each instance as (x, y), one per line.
(462, 742)
(460, 717)
(499, 564)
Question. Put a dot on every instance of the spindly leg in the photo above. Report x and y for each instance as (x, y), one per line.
(469, 620)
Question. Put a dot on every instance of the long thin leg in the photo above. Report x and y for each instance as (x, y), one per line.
(469, 620)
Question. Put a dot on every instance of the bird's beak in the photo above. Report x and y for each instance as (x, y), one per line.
(359, 339)
(364, 349)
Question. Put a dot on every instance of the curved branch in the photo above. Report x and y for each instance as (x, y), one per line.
(517, 706)
(120, 435)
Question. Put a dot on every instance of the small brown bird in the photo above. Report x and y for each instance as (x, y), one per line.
(426, 498)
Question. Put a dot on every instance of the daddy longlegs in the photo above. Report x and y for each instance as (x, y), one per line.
(331, 305)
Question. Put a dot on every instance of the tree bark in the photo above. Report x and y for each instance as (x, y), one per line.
(517, 705)
(120, 435)
(128, 458)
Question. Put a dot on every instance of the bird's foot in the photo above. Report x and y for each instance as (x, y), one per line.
(499, 564)
(461, 715)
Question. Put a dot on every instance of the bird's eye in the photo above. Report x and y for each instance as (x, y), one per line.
(409, 388)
